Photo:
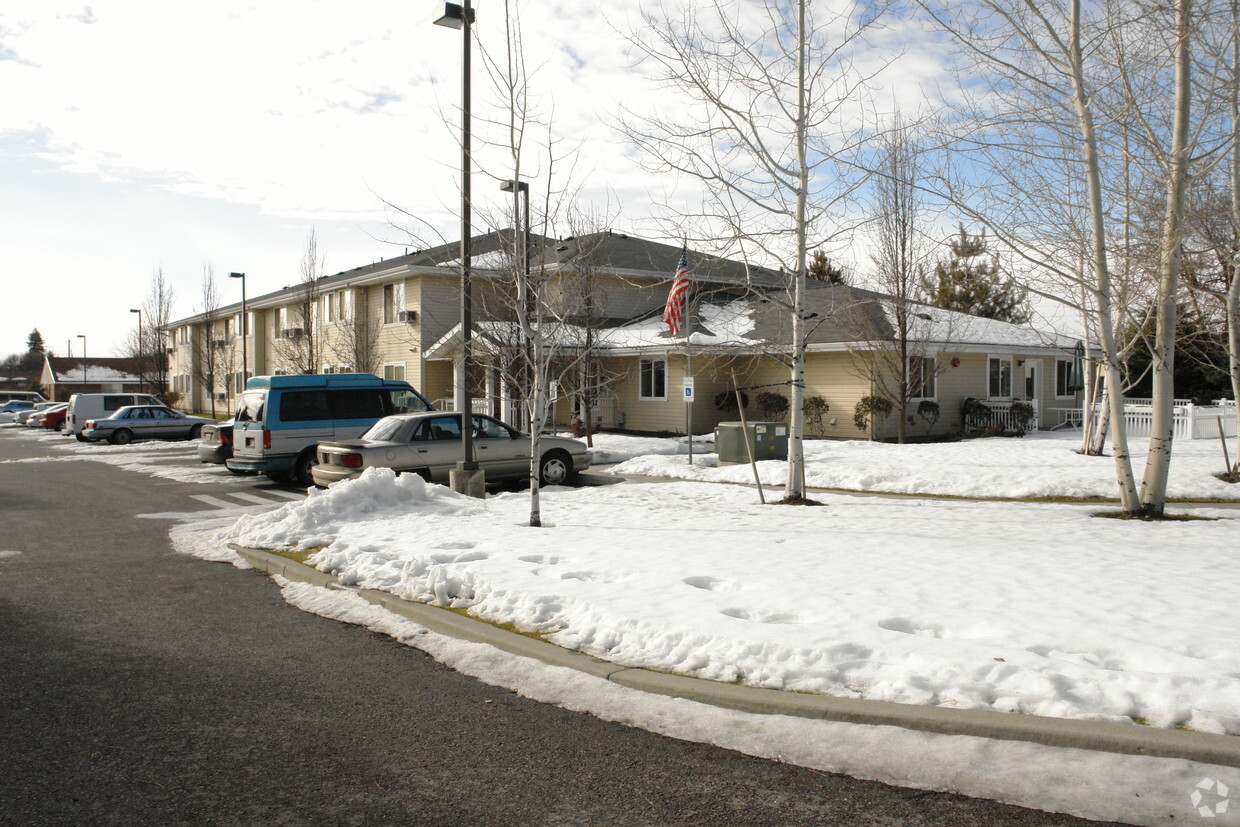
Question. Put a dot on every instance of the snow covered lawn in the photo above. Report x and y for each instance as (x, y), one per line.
(1033, 608)
(1039, 465)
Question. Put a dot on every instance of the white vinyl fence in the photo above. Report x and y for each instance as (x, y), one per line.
(1191, 421)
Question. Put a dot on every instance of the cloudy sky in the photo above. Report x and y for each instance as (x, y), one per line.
(137, 135)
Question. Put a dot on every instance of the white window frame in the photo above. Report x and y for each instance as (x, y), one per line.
(398, 302)
(393, 377)
(1071, 363)
(1011, 370)
(641, 367)
(931, 379)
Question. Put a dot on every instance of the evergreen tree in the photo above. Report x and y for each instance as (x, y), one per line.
(822, 269)
(970, 282)
(34, 342)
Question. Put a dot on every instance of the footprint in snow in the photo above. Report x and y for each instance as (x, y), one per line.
(907, 627)
(459, 558)
(710, 584)
(541, 559)
(761, 617)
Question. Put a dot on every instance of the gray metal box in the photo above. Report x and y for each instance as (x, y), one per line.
(769, 441)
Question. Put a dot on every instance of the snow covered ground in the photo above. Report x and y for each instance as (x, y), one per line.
(1018, 607)
(1043, 464)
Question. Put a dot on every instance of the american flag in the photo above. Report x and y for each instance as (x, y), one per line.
(673, 311)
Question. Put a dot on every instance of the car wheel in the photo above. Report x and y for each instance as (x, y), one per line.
(195, 432)
(301, 471)
(555, 469)
(121, 437)
(60, 426)
(80, 438)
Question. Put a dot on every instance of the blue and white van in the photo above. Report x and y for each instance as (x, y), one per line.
(281, 419)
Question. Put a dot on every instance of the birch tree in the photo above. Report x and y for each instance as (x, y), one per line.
(301, 350)
(768, 116)
(1080, 91)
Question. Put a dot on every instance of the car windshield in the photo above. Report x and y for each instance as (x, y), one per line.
(384, 430)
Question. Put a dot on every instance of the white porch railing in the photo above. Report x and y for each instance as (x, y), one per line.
(1000, 413)
(480, 405)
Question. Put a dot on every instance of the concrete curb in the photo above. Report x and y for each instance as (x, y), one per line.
(1223, 750)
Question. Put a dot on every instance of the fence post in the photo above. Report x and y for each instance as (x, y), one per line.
(1192, 420)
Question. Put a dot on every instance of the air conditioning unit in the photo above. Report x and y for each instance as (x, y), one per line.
(219, 342)
(221, 397)
(291, 333)
(407, 316)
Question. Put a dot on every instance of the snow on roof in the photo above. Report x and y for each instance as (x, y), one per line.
(713, 324)
(934, 324)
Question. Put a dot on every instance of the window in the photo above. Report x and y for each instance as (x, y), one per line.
(394, 371)
(441, 427)
(357, 404)
(251, 409)
(921, 378)
(112, 403)
(401, 401)
(1065, 382)
(393, 301)
(329, 308)
(999, 374)
(653, 379)
(304, 406)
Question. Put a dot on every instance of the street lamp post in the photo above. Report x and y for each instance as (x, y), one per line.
(245, 331)
(467, 477)
(521, 190)
(83, 338)
(141, 387)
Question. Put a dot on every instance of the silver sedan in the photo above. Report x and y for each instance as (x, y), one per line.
(144, 422)
(430, 444)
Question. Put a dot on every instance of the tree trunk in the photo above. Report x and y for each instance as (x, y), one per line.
(1162, 431)
(1125, 479)
(794, 487)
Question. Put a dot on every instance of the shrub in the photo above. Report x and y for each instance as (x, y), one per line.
(816, 408)
(870, 408)
(772, 405)
(929, 412)
(1022, 417)
(726, 401)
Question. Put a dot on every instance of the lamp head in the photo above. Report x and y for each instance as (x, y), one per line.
(508, 186)
(454, 16)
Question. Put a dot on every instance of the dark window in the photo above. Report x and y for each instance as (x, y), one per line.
(441, 427)
(1064, 384)
(653, 379)
(362, 403)
(304, 406)
(112, 403)
(487, 428)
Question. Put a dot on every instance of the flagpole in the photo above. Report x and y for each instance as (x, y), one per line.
(688, 376)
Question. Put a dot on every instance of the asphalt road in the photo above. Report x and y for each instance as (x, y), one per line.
(140, 686)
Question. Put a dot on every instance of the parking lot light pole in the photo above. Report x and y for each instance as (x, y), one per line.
(141, 387)
(467, 477)
(83, 338)
(245, 331)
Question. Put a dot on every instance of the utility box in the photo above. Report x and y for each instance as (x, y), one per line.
(769, 441)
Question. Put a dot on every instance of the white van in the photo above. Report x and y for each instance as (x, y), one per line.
(86, 406)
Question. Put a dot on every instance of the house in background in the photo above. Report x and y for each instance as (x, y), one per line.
(399, 319)
(64, 376)
(383, 318)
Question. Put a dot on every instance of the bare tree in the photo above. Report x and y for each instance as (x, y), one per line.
(771, 118)
(356, 339)
(206, 363)
(298, 346)
(151, 342)
(892, 334)
(1076, 99)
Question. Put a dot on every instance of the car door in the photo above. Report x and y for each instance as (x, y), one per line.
(437, 444)
(499, 454)
(168, 424)
(143, 425)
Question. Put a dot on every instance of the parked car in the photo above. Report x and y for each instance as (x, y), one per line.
(215, 444)
(10, 409)
(430, 444)
(22, 417)
(36, 418)
(21, 396)
(282, 419)
(144, 422)
(87, 406)
(53, 417)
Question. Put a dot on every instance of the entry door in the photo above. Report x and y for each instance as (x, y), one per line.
(1033, 383)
